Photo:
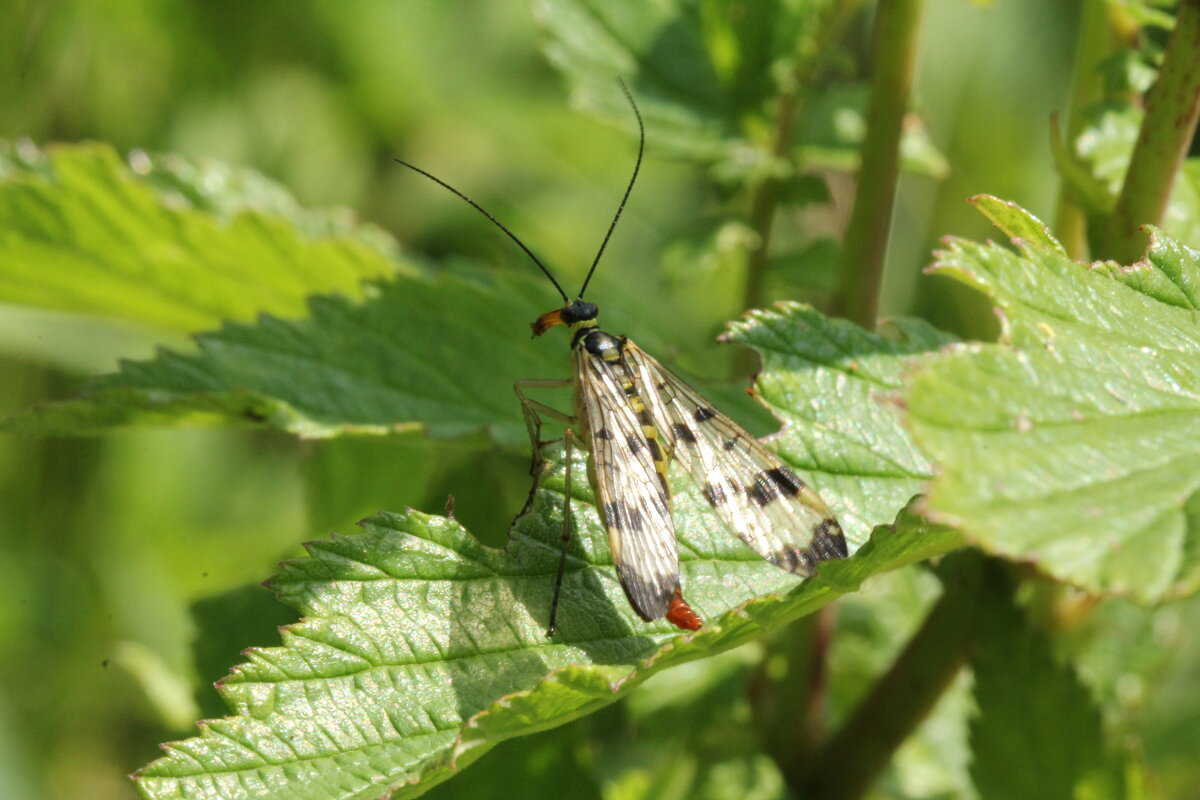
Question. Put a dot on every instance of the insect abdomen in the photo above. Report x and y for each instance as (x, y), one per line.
(650, 438)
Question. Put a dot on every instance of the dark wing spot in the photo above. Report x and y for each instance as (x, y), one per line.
(714, 493)
(770, 484)
(828, 541)
(764, 491)
(682, 433)
(729, 444)
(793, 560)
(789, 483)
(622, 516)
(604, 434)
(703, 414)
(634, 442)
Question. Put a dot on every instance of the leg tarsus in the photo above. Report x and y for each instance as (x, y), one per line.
(568, 441)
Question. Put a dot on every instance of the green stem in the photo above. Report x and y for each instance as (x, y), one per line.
(894, 43)
(788, 695)
(1094, 45)
(764, 197)
(852, 759)
(1172, 108)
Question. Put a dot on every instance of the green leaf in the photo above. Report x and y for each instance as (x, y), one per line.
(832, 385)
(1037, 733)
(698, 69)
(393, 361)
(1016, 222)
(688, 733)
(1094, 170)
(1073, 443)
(829, 134)
(82, 232)
(707, 76)
(421, 648)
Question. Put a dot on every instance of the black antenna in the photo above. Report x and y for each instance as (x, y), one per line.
(500, 225)
(637, 166)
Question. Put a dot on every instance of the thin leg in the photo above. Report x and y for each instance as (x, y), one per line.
(533, 412)
(568, 441)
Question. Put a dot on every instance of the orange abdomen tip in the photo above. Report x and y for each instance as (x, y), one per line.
(680, 614)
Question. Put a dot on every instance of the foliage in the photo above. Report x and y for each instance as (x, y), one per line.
(334, 373)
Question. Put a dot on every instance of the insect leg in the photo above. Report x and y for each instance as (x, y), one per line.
(568, 443)
(533, 411)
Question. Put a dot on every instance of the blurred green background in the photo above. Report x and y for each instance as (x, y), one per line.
(128, 583)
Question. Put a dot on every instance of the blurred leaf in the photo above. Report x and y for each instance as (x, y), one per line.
(390, 362)
(1107, 140)
(688, 734)
(1182, 216)
(226, 625)
(662, 44)
(84, 233)
(166, 690)
(225, 191)
(351, 477)
(829, 134)
(714, 245)
(814, 266)
(1128, 72)
(421, 648)
(802, 189)
(1073, 443)
(1037, 733)
(555, 763)
(1147, 13)
(1095, 166)
(698, 70)
(873, 625)
(1122, 652)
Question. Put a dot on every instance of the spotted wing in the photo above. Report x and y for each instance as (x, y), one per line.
(753, 492)
(633, 497)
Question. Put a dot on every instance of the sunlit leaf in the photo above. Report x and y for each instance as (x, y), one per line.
(80, 231)
(834, 386)
(420, 648)
(390, 362)
(1073, 443)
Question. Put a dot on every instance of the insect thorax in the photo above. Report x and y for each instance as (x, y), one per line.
(598, 343)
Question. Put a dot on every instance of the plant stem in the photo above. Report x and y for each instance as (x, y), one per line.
(851, 760)
(788, 695)
(894, 43)
(764, 197)
(1094, 45)
(1172, 108)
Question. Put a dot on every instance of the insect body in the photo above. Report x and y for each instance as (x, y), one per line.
(635, 416)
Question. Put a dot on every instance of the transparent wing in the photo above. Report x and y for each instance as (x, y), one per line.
(634, 500)
(762, 499)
